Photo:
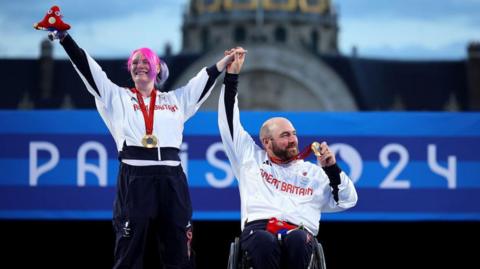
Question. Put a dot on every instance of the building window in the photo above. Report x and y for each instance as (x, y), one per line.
(205, 39)
(314, 40)
(239, 34)
(280, 34)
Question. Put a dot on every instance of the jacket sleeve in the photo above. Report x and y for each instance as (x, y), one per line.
(195, 92)
(341, 190)
(92, 75)
(239, 145)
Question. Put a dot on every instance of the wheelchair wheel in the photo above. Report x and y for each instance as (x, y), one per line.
(318, 257)
(321, 257)
(234, 255)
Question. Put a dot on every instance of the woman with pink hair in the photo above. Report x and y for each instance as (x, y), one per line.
(152, 207)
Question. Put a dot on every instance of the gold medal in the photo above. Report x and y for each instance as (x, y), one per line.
(316, 148)
(149, 141)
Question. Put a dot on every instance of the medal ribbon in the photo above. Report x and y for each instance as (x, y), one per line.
(147, 117)
(302, 155)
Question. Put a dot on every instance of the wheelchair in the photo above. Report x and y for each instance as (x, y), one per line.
(238, 260)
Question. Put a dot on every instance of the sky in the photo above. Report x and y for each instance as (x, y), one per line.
(393, 29)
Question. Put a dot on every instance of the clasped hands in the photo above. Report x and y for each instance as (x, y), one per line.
(233, 60)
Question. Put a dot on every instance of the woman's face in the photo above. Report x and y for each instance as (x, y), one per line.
(140, 69)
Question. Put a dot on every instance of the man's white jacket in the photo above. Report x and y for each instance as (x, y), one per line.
(296, 192)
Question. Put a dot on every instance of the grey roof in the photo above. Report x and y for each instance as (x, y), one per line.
(422, 85)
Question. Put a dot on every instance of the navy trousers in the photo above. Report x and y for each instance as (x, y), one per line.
(152, 213)
(265, 251)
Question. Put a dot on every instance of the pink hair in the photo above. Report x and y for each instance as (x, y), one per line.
(152, 58)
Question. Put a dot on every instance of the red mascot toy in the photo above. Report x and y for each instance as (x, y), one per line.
(52, 21)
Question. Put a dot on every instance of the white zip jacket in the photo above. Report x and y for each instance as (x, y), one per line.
(120, 108)
(296, 192)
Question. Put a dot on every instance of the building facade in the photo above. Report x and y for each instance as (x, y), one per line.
(293, 64)
(283, 38)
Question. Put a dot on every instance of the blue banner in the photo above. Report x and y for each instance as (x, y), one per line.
(406, 166)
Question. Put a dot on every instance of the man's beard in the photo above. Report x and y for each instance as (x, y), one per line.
(285, 154)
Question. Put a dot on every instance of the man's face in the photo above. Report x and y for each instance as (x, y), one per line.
(284, 141)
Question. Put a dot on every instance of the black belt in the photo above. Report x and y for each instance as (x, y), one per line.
(149, 154)
(258, 221)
